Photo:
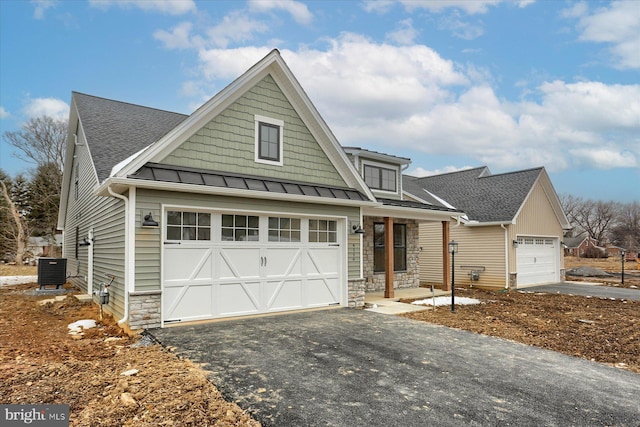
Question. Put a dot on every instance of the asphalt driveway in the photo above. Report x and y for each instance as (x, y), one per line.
(352, 367)
(586, 289)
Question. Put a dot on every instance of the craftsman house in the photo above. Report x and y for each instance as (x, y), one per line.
(510, 235)
(248, 205)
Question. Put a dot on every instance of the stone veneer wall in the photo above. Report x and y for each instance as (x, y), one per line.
(410, 278)
(356, 293)
(144, 309)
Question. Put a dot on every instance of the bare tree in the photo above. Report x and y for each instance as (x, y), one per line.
(596, 218)
(626, 232)
(571, 205)
(42, 140)
(16, 228)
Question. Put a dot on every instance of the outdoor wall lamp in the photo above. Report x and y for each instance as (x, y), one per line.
(453, 250)
(357, 229)
(85, 242)
(515, 243)
(149, 221)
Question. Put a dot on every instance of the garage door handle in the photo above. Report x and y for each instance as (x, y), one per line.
(171, 243)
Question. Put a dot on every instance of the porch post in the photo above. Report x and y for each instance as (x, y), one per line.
(388, 257)
(446, 275)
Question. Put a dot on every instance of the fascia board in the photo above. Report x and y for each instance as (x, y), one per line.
(488, 223)
(386, 158)
(409, 213)
(121, 184)
(67, 171)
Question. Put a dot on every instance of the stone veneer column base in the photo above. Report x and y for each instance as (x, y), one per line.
(356, 293)
(144, 309)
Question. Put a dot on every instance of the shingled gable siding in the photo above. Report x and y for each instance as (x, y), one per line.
(227, 143)
(478, 246)
(148, 240)
(536, 218)
(106, 216)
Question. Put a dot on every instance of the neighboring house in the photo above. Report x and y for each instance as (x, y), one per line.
(510, 236)
(579, 246)
(42, 247)
(249, 205)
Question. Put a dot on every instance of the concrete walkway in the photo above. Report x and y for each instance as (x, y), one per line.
(377, 303)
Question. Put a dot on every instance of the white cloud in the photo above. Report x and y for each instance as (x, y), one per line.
(4, 113)
(470, 7)
(405, 34)
(41, 7)
(296, 9)
(178, 38)
(51, 107)
(617, 25)
(235, 27)
(460, 28)
(605, 158)
(169, 7)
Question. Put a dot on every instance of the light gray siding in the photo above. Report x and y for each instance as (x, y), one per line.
(105, 216)
(227, 143)
(149, 240)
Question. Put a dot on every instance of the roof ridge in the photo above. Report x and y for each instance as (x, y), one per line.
(127, 103)
(539, 168)
(451, 173)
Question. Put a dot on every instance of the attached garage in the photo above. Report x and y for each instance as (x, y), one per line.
(218, 264)
(537, 259)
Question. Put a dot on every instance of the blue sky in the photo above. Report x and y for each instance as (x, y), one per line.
(450, 84)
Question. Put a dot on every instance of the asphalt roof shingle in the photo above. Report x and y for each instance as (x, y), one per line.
(482, 196)
(116, 130)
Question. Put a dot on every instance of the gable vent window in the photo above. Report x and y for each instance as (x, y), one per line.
(378, 178)
(268, 140)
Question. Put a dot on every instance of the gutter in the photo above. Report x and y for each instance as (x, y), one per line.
(125, 317)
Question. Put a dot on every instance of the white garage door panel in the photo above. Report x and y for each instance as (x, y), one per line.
(284, 295)
(188, 302)
(212, 279)
(188, 263)
(237, 298)
(537, 260)
(239, 262)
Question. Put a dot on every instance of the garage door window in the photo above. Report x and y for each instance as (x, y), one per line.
(240, 228)
(188, 225)
(284, 229)
(323, 231)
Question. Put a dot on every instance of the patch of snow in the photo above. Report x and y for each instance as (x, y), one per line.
(447, 301)
(81, 324)
(17, 280)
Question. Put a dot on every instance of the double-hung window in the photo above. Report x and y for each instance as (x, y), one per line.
(268, 140)
(399, 247)
(378, 178)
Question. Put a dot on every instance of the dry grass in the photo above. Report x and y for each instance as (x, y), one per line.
(18, 270)
(606, 264)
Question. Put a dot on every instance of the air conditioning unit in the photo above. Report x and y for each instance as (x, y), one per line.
(52, 271)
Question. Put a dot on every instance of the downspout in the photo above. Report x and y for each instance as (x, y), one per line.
(125, 317)
(506, 256)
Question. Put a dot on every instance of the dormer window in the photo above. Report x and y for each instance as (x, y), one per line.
(268, 138)
(379, 178)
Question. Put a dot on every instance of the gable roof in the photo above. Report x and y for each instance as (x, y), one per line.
(116, 130)
(482, 196)
(272, 64)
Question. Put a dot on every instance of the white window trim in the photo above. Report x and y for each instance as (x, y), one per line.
(275, 122)
(383, 166)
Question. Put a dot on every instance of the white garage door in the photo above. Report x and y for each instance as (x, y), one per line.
(537, 260)
(223, 265)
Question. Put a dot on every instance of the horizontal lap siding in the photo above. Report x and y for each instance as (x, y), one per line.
(477, 246)
(537, 218)
(227, 143)
(149, 240)
(106, 216)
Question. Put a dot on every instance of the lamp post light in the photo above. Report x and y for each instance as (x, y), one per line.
(622, 258)
(453, 250)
